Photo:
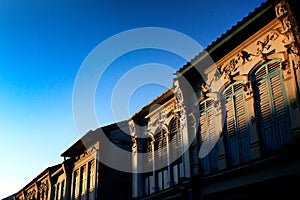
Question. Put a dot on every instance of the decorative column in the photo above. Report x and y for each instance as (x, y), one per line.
(135, 183)
(254, 139)
(290, 31)
(182, 113)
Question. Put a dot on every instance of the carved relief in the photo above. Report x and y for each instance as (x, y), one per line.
(244, 56)
(204, 90)
(43, 189)
(289, 27)
(134, 144)
(31, 195)
(281, 9)
(229, 69)
(218, 105)
(296, 64)
(193, 121)
(131, 127)
(248, 89)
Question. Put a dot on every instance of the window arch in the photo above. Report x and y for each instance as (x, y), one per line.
(236, 133)
(207, 135)
(271, 106)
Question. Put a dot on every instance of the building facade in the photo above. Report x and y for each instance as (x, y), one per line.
(236, 107)
(228, 128)
(82, 176)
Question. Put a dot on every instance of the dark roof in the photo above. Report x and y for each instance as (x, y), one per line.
(233, 37)
(91, 138)
(165, 96)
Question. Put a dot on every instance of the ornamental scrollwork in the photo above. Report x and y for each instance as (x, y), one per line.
(229, 69)
(204, 90)
(248, 89)
(31, 195)
(288, 27)
(281, 9)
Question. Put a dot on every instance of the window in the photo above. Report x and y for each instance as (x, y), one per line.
(91, 179)
(161, 160)
(58, 191)
(164, 158)
(83, 182)
(175, 149)
(271, 106)
(62, 185)
(236, 132)
(208, 136)
(76, 184)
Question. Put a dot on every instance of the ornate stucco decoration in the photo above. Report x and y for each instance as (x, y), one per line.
(134, 144)
(162, 117)
(204, 91)
(289, 30)
(263, 46)
(248, 89)
(43, 189)
(31, 195)
(229, 69)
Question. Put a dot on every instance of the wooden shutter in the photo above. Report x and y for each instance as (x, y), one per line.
(175, 140)
(160, 148)
(236, 132)
(148, 160)
(272, 109)
(208, 136)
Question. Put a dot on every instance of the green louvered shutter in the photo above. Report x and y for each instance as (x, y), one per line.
(160, 147)
(175, 140)
(236, 131)
(272, 108)
(208, 136)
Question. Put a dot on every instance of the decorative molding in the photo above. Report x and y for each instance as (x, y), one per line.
(31, 195)
(289, 27)
(134, 144)
(263, 49)
(217, 105)
(193, 121)
(248, 89)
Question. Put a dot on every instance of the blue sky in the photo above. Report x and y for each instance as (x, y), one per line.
(42, 46)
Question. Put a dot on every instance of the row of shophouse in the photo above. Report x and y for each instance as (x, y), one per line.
(239, 141)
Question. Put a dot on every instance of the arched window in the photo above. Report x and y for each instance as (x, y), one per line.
(175, 149)
(175, 140)
(76, 185)
(160, 148)
(208, 136)
(271, 106)
(236, 131)
(161, 160)
(164, 152)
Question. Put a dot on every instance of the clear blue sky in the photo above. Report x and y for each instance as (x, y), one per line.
(42, 46)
